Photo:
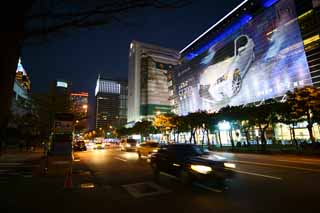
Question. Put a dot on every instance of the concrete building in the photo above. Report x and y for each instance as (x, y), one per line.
(111, 103)
(148, 87)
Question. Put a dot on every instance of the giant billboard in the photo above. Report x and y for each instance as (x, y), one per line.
(257, 58)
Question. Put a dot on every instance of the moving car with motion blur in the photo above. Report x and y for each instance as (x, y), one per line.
(189, 163)
(147, 148)
(128, 145)
(98, 145)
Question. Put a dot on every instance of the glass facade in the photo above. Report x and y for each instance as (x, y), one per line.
(154, 87)
(111, 103)
(262, 53)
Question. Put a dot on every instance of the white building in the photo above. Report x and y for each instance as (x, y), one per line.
(148, 92)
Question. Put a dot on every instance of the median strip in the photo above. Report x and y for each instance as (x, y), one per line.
(275, 165)
(207, 187)
(121, 159)
(256, 174)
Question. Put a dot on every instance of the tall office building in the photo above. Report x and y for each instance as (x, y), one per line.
(60, 95)
(111, 103)
(21, 92)
(79, 103)
(148, 86)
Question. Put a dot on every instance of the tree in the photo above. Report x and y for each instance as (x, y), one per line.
(233, 115)
(32, 19)
(164, 123)
(263, 116)
(305, 102)
(143, 128)
(289, 117)
(194, 123)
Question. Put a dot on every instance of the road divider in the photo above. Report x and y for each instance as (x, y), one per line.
(121, 159)
(256, 174)
(206, 187)
(300, 162)
(276, 165)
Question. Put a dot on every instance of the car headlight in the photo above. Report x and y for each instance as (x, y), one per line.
(201, 169)
(128, 145)
(230, 165)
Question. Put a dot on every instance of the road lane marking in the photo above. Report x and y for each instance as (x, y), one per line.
(196, 184)
(275, 165)
(168, 175)
(300, 162)
(256, 174)
(124, 160)
(207, 187)
(312, 160)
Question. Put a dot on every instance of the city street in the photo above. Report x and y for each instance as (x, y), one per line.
(110, 180)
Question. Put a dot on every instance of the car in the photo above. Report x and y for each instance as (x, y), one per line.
(190, 163)
(79, 146)
(147, 148)
(98, 145)
(223, 77)
(128, 145)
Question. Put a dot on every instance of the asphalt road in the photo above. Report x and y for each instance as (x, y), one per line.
(111, 180)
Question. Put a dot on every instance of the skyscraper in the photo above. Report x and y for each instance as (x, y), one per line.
(148, 92)
(111, 103)
(79, 103)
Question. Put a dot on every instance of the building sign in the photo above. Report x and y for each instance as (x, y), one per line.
(62, 84)
(63, 126)
(262, 59)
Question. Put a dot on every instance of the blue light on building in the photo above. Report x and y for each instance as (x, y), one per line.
(268, 3)
(229, 31)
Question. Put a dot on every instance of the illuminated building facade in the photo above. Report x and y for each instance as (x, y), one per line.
(111, 103)
(21, 91)
(148, 86)
(79, 103)
(260, 50)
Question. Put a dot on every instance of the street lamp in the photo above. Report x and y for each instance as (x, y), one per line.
(110, 127)
(77, 121)
(100, 128)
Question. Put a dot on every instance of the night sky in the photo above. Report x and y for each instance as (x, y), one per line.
(79, 56)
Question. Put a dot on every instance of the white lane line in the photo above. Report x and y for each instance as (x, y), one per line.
(196, 184)
(124, 160)
(168, 175)
(300, 162)
(276, 165)
(312, 160)
(256, 174)
(207, 188)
